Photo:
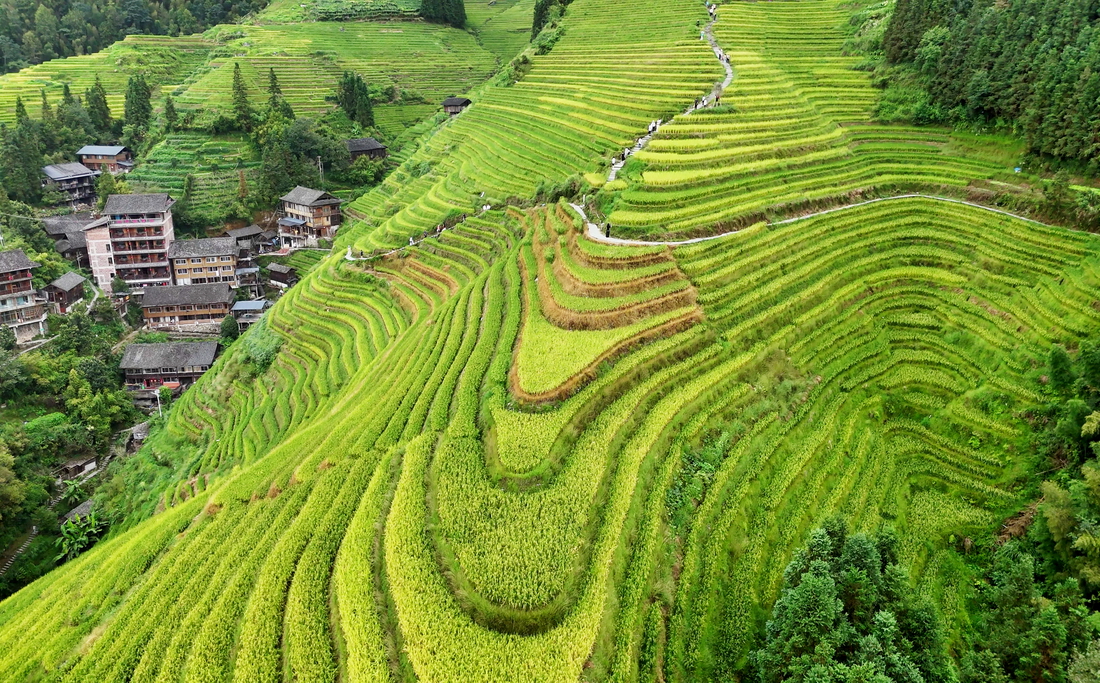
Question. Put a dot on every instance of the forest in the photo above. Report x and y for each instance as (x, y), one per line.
(1032, 66)
(33, 31)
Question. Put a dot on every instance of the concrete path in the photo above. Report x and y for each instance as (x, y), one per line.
(594, 233)
(708, 34)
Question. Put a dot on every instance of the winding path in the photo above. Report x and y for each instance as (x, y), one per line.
(593, 231)
(708, 33)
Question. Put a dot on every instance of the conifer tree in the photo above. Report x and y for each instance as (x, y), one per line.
(47, 110)
(20, 110)
(353, 96)
(98, 109)
(170, 115)
(276, 103)
(242, 110)
(138, 107)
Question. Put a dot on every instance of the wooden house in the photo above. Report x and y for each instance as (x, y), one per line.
(65, 291)
(308, 215)
(21, 307)
(282, 275)
(74, 181)
(455, 105)
(201, 261)
(182, 306)
(366, 147)
(107, 158)
(171, 364)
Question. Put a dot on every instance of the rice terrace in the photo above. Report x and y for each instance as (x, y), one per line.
(756, 341)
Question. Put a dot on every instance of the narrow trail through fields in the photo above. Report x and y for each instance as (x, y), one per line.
(619, 161)
(594, 233)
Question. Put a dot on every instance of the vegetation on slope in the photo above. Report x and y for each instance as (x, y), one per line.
(380, 502)
(1032, 65)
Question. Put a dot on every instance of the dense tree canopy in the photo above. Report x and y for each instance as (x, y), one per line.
(32, 31)
(846, 613)
(1033, 63)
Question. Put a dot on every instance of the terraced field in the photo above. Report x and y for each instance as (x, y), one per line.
(503, 26)
(431, 61)
(800, 134)
(165, 61)
(214, 161)
(572, 110)
(477, 458)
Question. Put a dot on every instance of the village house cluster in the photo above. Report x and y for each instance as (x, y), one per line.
(181, 285)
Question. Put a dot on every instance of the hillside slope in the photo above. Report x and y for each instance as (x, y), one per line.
(504, 453)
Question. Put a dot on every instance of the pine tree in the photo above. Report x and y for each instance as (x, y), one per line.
(242, 110)
(353, 96)
(273, 88)
(66, 95)
(21, 159)
(170, 115)
(1061, 369)
(98, 109)
(455, 13)
(276, 103)
(138, 107)
(47, 110)
(20, 110)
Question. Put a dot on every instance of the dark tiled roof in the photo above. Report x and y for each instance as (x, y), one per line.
(66, 171)
(11, 261)
(245, 232)
(76, 240)
(111, 150)
(56, 226)
(82, 510)
(68, 282)
(137, 203)
(168, 355)
(210, 246)
(97, 223)
(308, 197)
(364, 145)
(456, 102)
(279, 268)
(175, 295)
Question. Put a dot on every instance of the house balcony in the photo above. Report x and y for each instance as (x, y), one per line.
(145, 261)
(136, 222)
(135, 233)
(139, 276)
(139, 248)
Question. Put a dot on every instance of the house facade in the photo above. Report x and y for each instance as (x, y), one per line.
(177, 307)
(65, 291)
(306, 216)
(67, 232)
(366, 147)
(248, 313)
(202, 261)
(75, 181)
(281, 275)
(21, 307)
(107, 158)
(455, 105)
(170, 364)
(131, 241)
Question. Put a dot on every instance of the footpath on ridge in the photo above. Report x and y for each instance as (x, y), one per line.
(708, 34)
